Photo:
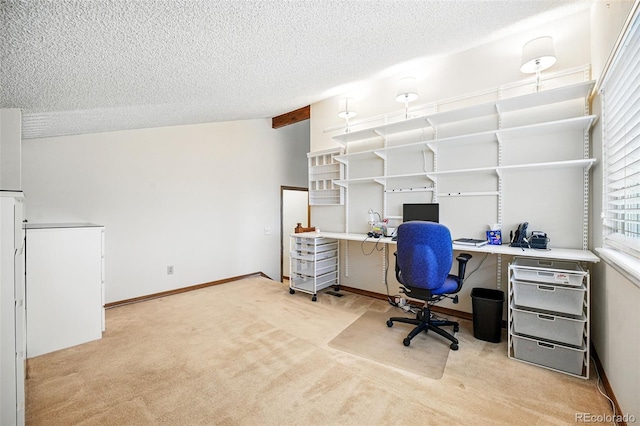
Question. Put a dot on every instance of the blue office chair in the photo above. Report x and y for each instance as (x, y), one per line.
(423, 260)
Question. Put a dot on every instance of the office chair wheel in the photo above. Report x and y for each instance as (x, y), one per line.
(456, 328)
(291, 291)
(314, 298)
(389, 323)
(406, 341)
(454, 347)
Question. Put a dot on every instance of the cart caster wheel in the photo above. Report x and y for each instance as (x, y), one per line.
(314, 298)
(456, 328)
(406, 341)
(454, 347)
(337, 288)
(389, 323)
(291, 291)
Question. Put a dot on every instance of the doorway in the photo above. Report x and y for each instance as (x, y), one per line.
(294, 209)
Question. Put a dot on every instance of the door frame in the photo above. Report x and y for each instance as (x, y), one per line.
(282, 230)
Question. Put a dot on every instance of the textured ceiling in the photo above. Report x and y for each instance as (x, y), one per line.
(101, 65)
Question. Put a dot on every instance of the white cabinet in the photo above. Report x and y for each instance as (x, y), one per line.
(314, 264)
(324, 171)
(64, 285)
(12, 313)
(549, 315)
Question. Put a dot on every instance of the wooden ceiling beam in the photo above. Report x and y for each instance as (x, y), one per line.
(292, 117)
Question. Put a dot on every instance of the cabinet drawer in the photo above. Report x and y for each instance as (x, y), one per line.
(568, 330)
(564, 300)
(548, 271)
(314, 257)
(310, 248)
(321, 267)
(563, 358)
(309, 284)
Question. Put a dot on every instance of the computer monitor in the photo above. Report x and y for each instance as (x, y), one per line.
(429, 212)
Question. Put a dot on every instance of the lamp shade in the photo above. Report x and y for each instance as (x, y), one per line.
(345, 108)
(407, 90)
(537, 55)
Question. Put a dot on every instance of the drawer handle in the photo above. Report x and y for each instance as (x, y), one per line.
(546, 345)
(545, 263)
(546, 317)
(546, 288)
(545, 274)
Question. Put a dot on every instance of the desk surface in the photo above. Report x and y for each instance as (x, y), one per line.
(553, 253)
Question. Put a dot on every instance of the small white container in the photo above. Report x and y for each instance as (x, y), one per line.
(561, 329)
(561, 299)
(557, 357)
(549, 271)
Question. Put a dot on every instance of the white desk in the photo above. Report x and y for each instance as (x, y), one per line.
(553, 253)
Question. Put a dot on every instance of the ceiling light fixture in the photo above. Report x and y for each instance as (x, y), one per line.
(538, 55)
(407, 92)
(345, 111)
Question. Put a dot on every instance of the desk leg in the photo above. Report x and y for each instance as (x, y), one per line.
(499, 272)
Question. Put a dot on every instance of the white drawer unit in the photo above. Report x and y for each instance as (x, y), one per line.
(314, 264)
(549, 315)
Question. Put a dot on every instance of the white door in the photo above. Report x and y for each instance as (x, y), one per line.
(295, 209)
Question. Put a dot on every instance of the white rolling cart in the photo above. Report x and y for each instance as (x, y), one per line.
(549, 314)
(314, 264)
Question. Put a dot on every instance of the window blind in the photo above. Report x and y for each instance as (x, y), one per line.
(621, 145)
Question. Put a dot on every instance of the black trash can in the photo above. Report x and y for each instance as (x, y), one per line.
(487, 314)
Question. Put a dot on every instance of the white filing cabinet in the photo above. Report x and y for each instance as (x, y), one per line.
(549, 315)
(314, 264)
(64, 285)
(12, 314)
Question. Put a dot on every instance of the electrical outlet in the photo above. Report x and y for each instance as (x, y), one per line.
(170, 270)
(267, 231)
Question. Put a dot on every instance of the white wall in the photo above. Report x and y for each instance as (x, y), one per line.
(196, 197)
(470, 72)
(615, 301)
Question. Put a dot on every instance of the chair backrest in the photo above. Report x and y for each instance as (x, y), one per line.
(424, 254)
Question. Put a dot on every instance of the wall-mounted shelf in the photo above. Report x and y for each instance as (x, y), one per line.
(324, 171)
(583, 123)
(382, 180)
(546, 97)
(499, 107)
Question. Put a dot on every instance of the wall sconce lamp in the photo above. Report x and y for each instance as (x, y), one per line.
(538, 55)
(345, 110)
(407, 92)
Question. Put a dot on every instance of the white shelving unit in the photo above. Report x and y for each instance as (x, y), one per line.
(497, 136)
(324, 172)
(314, 264)
(548, 309)
(378, 155)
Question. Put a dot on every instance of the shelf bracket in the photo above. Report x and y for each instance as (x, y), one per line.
(381, 155)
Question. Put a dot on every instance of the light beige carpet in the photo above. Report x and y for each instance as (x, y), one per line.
(249, 353)
(369, 337)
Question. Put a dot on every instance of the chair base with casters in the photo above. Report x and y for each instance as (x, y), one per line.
(424, 322)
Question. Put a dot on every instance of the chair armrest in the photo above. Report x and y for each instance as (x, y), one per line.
(398, 273)
(462, 259)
